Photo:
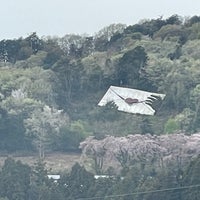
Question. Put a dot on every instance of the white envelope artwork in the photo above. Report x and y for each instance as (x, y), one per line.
(131, 100)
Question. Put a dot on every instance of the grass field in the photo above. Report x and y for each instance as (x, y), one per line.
(55, 162)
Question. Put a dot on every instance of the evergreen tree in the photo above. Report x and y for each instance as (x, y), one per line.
(15, 180)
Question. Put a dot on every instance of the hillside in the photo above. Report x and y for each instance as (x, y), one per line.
(49, 118)
(50, 87)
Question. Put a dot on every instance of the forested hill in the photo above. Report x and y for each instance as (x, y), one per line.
(50, 86)
(49, 91)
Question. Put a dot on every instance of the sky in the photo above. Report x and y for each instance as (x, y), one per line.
(19, 18)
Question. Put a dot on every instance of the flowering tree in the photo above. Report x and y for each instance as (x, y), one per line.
(43, 124)
(145, 150)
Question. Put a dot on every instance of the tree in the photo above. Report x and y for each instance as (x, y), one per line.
(192, 20)
(136, 28)
(70, 136)
(109, 31)
(54, 52)
(40, 185)
(77, 183)
(88, 47)
(170, 30)
(40, 85)
(176, 54)
(171, 126)
(146, 27)
(35, 83)
(107, 36)
(129, 66)
(43, 125)
(70, 74)
(96, 151)
(174, 19)
(15, 180)
(185, 120)
(142, 151)
(195, 106)
(191, 178)
(72, 45)
(16, 109)
(177, 85)
(34, 42)
(194, 31)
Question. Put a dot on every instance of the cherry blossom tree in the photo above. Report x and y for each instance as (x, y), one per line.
(143, 150)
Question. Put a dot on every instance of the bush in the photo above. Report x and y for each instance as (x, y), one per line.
(171, 126)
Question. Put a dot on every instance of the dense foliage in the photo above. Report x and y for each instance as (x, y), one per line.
(19, 181)
(50, 88)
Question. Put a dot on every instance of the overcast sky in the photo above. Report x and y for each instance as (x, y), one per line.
(19, 18)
